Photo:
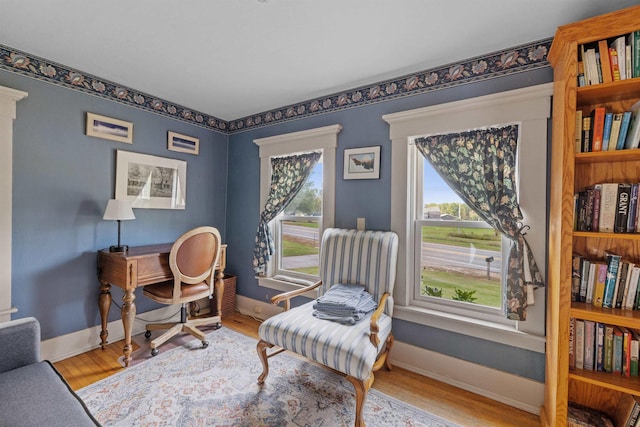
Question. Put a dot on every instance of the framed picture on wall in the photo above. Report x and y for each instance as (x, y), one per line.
(362, 163)
(183, 143)
(108, 128)
(151, 182)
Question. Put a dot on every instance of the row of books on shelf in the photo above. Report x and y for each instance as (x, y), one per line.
(608, 284)
(600, 347)
(608, 207)
(603, 130)
(609, 60)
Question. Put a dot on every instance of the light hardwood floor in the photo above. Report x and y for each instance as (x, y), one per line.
(459, 406)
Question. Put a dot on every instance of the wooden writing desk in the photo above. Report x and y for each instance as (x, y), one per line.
(140, 266)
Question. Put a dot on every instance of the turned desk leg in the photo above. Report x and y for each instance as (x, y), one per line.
(103, 305)
(219, 292)
(128, 314)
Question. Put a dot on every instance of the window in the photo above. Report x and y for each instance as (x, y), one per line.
(457, 257)
(530, 108)
(297, 230)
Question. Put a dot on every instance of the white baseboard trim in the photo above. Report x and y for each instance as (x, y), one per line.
(513, 390)
(510, 389)
(75, 343)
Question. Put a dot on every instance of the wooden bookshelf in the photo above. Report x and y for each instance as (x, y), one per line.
(572, 172)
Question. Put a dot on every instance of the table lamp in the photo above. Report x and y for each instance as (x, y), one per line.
(118, 210)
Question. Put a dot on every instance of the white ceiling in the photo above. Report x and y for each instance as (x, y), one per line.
(234, 58)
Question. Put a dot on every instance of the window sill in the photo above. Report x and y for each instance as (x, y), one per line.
(490, 331)
(284, 286)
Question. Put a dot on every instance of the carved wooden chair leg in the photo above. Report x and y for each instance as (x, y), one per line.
(262, 352)
(362, 388)
(387, 362)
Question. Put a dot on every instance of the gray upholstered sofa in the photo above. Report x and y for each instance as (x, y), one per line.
(32, 392)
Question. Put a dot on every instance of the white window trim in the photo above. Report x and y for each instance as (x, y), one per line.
(323, 138)
(531, 108)
(8, 99)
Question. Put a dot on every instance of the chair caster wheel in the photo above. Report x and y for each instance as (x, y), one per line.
(147, 334)
(154, 352)
(205, 344)
(217, 326)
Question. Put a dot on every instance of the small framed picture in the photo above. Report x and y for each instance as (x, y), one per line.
(108, 128)
(362, 163)
(183, 143)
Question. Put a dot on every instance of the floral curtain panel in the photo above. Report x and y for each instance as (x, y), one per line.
(479, 166)
(288, 175)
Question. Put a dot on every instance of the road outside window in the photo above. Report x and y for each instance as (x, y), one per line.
(460, 256)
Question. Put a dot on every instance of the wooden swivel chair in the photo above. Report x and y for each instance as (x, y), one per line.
(193, 259)
(366, 258)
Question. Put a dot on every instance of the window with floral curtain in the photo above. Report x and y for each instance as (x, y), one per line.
(480, 167)
(288, 175)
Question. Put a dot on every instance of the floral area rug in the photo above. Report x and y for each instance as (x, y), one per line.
(216, 386)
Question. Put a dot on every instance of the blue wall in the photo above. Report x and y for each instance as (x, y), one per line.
(62, 180)
(363, 126)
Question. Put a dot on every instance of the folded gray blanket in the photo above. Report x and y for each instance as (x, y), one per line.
(344, 303)
(342, 296)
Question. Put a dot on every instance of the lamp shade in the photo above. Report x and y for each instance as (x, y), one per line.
(118, 209)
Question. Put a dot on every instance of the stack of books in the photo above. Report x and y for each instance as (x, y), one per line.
(612, 283)
(596, 346)
(603, 130)
(608, 208)
(609, 60)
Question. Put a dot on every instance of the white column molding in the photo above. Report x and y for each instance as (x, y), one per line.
(8, 99)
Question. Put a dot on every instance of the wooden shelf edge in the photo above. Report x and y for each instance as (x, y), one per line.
(630, 385)
(614, 316)
(607, 92)
(626, 155)
(600, 235)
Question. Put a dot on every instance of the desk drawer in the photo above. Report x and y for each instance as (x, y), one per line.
(153, 270)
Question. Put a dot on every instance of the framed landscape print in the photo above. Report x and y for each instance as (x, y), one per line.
(183, 143)
(151, 182)
(108, 128)
(362, 163)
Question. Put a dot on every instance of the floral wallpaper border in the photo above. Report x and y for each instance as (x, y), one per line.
(23, 63)
(514, 60)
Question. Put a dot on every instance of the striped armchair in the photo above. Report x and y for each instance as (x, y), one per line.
(366, 258)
